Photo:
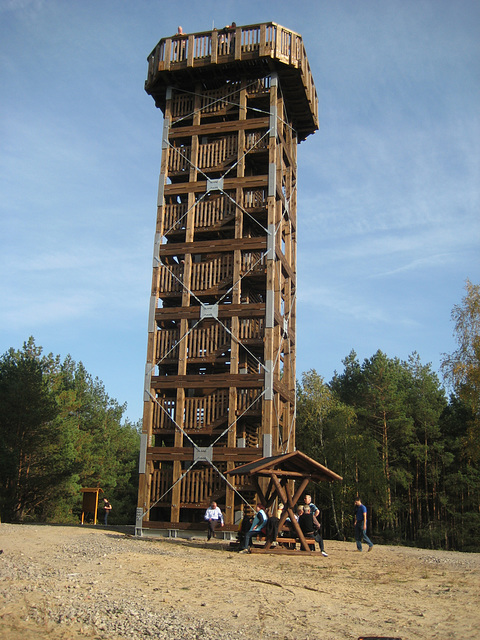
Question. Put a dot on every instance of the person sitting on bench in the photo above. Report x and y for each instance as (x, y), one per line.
(243, 529)
(258, 523)
(306, 524)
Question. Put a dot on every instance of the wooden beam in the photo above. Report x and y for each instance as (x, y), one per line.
(256, 310)
(281, 551)
(212, 246)
(249, 182)
(220, 454)
(284, 492)
(218, 381)
(286, 474)
(292, 501)
(229, 126)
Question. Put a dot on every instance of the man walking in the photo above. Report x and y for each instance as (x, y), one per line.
(214, 517)
(361, 525)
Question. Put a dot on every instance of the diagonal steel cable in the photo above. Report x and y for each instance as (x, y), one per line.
(165, 233)
(242, 276)
(178, 151)
(234, 104)
(173, 420)
(194, 462)
(175, 345)
(240, 343)
(230, 484)
(243, 210)
(247, 152)
(168, 490)
(238, 417)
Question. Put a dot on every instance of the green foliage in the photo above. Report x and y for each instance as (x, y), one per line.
(385, 426)
(462, 368)
(60, 431)
(30, 441)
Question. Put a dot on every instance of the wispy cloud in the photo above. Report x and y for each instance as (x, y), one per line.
(20, 5)
(388, 190)
(431, 262)
(350, 305)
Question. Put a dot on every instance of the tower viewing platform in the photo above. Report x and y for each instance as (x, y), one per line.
(234, 52)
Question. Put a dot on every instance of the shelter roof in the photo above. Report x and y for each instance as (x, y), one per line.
(291, 465)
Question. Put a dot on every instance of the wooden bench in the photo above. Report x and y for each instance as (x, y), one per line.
(280, 547)
(259, 544)
(281, 540)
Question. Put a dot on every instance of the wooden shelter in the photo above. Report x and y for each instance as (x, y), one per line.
(220, 374)
(90, 502)
(284, 479)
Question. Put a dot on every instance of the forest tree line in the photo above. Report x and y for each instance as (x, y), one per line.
(59, 432)
(411, 453)
(387, 426)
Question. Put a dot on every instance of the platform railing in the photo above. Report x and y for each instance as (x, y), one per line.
(199, 485)
(161, 483)
(202, 412)
(232, 44)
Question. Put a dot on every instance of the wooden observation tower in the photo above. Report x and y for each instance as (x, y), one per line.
(220, 374)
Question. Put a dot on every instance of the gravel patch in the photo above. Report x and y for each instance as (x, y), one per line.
(66, 592)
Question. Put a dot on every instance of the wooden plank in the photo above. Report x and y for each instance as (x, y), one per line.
(220, 454)
(288, 269)
(215, 381)
(282, 390)
(229, 126)
(181, 188)
(286, 474)
(286, 540)
(254, 310)
(212, 246)
(214, 53)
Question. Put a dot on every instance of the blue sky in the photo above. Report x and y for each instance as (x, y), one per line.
(388, 202)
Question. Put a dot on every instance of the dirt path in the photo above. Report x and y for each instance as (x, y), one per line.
(74, 582)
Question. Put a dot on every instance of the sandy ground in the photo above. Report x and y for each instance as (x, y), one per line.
(74, 582)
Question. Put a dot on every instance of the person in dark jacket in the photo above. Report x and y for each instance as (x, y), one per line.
(311, 528)
(107, 507)
(317, 534)
(306, 522)
(271, 529)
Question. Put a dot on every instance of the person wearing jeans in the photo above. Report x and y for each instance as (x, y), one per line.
(361, 525)
(107, 508)
(258, 523)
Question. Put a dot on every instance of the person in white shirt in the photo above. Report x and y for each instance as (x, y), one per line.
(214, 516)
